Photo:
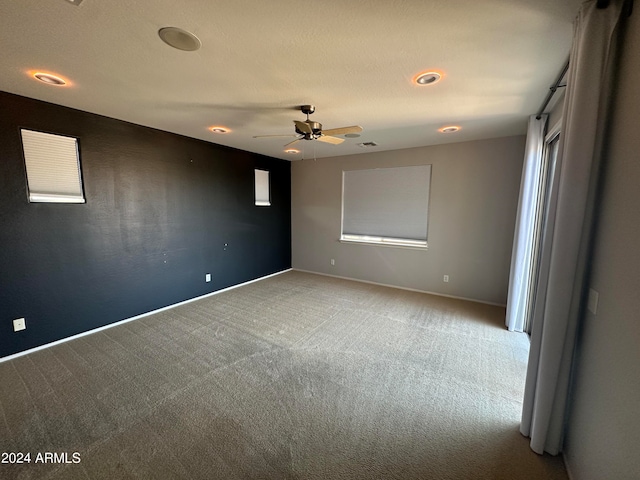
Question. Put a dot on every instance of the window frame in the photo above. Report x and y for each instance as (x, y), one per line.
(258, 188)
(33, 193)
(381, 240)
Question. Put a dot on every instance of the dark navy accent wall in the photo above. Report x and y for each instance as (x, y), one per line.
(159, 210)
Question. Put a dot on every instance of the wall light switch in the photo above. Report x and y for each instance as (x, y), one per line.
(207, 277)
(592, 302)
(19, 324)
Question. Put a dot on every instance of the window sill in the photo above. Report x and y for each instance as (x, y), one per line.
(386, 243)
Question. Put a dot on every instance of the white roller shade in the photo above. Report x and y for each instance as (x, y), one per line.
(390, 203)
(262, 188)
(53, 168)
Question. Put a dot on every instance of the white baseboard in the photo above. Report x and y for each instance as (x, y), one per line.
(403, 288)
(126, 320)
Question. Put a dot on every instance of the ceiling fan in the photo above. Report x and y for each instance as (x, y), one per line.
(310, 130)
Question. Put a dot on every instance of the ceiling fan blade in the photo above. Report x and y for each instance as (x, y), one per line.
(343, 130)
(333, 140)
(266, 136)
(303, 127)
(291, 143)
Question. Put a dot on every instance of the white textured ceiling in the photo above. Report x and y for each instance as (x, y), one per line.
(353, 59)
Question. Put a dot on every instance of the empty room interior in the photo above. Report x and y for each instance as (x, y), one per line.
(346, 240)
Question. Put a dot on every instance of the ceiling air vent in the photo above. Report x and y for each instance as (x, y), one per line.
(368, 144)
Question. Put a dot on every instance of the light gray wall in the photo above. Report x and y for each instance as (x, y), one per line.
(474, 198)
(603, 439)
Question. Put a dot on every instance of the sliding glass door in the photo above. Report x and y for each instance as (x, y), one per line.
(548, 167)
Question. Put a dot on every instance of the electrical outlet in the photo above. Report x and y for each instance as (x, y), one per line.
(207, 277)
(19, 324)
(333, 262)
(446, 279)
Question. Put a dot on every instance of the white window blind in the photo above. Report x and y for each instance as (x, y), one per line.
(386, 205)
(53, 168)
(262, 188)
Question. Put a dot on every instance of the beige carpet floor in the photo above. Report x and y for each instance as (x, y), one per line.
(298, 376)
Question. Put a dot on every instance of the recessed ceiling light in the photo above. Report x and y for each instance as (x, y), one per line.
(427, 78)
(292, 151)
(219, 129)
(179, 38)
(449, 129)
(49, 79)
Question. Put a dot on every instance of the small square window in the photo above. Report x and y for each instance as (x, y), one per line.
(263, 197)
(53, 168)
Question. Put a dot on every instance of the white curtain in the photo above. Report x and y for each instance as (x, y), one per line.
(524, 241)
(561, 283)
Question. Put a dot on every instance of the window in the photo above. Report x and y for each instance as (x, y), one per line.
(263, 197)
(53, 168)
(387, 206)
